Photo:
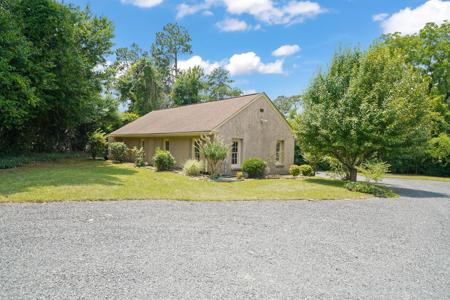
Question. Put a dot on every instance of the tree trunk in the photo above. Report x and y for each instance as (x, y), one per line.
(352, 174)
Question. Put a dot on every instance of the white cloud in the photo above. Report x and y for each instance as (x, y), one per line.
(286, 50)
(411, 20)
(184, 9)
(231, 24)
(250, 91)
(249, 62)
(238, 64)
(380, 17)
(143, 3)
(196, 60)
(263, 10)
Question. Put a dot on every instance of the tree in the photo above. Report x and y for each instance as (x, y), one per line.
(288, 106)
(140, 87)
(188, 87)
(364, 106)
(169, 44)
(49, 58)
(218, 85)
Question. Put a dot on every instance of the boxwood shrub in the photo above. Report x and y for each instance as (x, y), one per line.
(254, 167)
(163, 160)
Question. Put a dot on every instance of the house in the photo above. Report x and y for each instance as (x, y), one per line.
(250, 124)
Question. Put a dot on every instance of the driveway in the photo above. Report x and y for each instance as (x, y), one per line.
(378, 248)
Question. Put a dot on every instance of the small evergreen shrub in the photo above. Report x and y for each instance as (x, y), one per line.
(254, 167)
(138, 156)
(96, 144)
(163, 160)
(239, 175)
(193, 167)
(294, 170)
(368, 188)
(118, 151)
(306, 170)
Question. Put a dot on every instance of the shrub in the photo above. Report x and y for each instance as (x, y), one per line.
(96, 144)
(138, 156)
(163, 160)
(239, 175)
(374, 170)
(118, 151)
(193, 167)
(294, 170)
(368, 188)
(254, 167)
(214, 152)
(306, 170)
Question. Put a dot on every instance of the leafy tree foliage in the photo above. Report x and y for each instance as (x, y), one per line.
(218, 85)
(140, 87)
(288, 106)
(173, 41)
(49, 85)
(365, 105)
(188, 87)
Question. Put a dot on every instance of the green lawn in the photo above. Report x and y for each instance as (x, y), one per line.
(418, 177)
(82, 179)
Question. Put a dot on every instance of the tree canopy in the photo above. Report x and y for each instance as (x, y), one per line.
(364, 106)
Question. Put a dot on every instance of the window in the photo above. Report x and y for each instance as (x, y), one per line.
(279, 152)
(142, 144)
(196, 150)
(166, 145)
(236, 153)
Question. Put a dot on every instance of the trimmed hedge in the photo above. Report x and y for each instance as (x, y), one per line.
(306, 170)
(163, 160)
(294, 170)
(9, 162)
(254, 167)
(118, 151)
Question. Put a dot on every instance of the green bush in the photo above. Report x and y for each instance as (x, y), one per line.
(9, 162)
(294, 170)
(118, 151)
(254, 167)
(368, 188)
(96, 144)
(163, 160)
(193, 167)
(306, 170)
(138, 156)
(374, 170)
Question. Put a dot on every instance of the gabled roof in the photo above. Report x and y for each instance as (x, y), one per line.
(198, 118)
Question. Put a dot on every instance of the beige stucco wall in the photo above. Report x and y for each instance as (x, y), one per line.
(259, 133)
(180, 147)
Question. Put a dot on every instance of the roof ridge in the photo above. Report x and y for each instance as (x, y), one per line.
(210, 101)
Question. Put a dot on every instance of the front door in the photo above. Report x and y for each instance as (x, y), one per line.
(236, 154)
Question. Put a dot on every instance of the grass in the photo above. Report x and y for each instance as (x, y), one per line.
(418, 177)
(83, 179)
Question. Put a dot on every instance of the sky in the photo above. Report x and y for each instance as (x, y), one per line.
(268, 46)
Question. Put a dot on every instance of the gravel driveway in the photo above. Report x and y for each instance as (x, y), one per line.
(379, 248)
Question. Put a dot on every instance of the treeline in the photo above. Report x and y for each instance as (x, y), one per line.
(57, 86)
(390, 103)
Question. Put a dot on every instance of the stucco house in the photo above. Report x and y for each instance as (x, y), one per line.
(250, 124)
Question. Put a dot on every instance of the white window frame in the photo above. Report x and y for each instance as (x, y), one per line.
(279, 152)
(238, 153)
(194, 141)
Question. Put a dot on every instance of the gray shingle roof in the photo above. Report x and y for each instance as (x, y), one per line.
(203, 117)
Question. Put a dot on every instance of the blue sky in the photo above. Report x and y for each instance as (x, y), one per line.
(242, 35)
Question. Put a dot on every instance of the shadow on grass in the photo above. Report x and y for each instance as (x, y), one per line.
(416, 193)
(324, 181)
(77, 172)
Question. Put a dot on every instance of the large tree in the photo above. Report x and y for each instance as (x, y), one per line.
(140, 87)
(188, 87)
(174, 40)
(51, 85)
(288, 105)
(218, 85)
(364, 106)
